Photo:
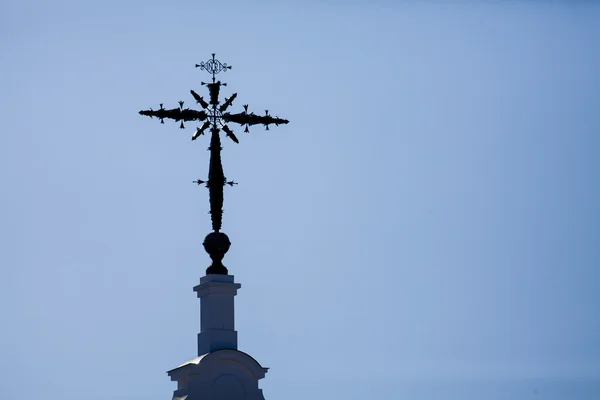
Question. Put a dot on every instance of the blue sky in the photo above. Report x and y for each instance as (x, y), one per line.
(429, 216)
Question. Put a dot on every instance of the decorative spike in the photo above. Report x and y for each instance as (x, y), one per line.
(181, 126)
(199, 99)
(200, 131)
(228, 102)
(230, 134)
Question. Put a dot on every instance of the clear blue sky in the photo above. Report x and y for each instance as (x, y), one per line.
(427, 226)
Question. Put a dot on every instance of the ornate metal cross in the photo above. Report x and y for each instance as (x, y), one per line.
(216, 118)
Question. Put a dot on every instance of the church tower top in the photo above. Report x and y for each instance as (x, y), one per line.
(220, 371)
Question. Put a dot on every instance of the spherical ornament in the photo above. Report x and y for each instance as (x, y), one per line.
(216, 243)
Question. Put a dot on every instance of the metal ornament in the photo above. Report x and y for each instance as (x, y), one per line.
(215, 116)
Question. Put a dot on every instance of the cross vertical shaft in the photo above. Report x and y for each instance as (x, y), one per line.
(216, 180)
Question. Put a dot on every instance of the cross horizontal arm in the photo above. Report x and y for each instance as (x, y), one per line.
(177, 114)
(252, 119)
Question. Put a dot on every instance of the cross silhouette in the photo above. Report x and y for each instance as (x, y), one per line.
(215, 116)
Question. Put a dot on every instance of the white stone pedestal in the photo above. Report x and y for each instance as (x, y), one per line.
(217, 320)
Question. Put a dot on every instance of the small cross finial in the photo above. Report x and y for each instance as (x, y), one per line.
(213, 66)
